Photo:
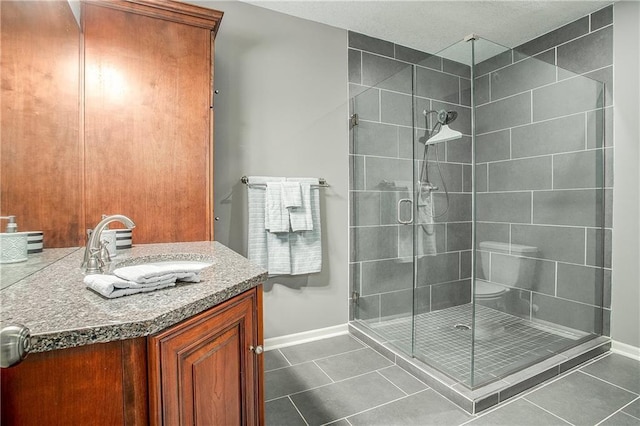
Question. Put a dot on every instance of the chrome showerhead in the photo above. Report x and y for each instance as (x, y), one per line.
(445, 133)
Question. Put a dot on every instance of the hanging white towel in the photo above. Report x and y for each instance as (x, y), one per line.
(266, 249)
(426, 229)
(301, 217)
(291, 196)
(283, 253)
(276, 215)
(306, 246)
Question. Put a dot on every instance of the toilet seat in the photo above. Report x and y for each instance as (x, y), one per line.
(488, 290)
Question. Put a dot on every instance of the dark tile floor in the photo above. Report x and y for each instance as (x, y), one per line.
(341, 381)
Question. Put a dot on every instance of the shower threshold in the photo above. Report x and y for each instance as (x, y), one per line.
(502, 344)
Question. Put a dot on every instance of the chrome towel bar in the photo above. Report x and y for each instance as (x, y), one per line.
(245, 180)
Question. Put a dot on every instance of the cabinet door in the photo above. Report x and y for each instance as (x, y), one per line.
(202, 371)
(147, 106)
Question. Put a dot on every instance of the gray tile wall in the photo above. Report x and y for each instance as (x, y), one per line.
(547, 171)
(382, 150)
(543, 170)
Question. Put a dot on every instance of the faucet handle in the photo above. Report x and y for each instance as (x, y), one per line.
(105, 257)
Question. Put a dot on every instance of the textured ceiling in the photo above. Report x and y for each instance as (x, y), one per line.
(431, 26)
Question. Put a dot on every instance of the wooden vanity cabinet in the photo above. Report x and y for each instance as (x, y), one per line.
(203, 371)
(200, 371)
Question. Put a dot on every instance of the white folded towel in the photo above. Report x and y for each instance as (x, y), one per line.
(156, 272)
(111, 286)
(276, 217)
(300, 217)
(291, 196)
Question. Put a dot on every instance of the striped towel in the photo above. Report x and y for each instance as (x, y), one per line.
(266, 249)
(283, 253)
(306, 246)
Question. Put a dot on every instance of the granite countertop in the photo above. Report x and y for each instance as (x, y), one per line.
(62, 313)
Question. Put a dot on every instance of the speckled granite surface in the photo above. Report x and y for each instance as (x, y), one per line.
(61, 312)
(11, 273)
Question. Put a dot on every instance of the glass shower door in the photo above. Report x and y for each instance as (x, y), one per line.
(381, 200)
(540, 213)
(443, 211)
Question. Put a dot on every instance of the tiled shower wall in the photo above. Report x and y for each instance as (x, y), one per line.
(540, 156)
(381, 84)
(539, 151)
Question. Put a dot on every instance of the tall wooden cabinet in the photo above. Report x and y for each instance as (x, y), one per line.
(114, 117)
(148, 114)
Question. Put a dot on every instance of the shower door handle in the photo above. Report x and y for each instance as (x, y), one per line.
(405, 200)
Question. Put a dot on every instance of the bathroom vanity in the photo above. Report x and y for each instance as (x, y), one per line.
(188, 354)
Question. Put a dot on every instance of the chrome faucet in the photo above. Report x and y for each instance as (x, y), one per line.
(96, 254)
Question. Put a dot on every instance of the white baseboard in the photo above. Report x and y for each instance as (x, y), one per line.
(626, 350)
(304, 337)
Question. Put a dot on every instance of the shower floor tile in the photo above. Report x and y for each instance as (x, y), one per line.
(503, 343)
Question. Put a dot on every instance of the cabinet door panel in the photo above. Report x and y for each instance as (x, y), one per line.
(207, 374)
(147, 134)
(216, 380)
(99, 384)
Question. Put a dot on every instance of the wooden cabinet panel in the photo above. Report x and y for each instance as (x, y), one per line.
(148, 144)
(41, 174)
(207, 373)
(98, 384)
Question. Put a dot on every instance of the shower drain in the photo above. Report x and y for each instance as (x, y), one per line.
(463, 327)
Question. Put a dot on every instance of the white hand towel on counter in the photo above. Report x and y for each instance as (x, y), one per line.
(301, 217)
(155, 272)
(111, 286)
(276, 217)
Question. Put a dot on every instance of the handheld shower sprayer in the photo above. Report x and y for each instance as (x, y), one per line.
(441, 132)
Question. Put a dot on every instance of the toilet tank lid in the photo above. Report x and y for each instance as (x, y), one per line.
(505, 247)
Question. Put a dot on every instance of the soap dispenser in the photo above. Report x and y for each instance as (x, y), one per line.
(12, 226)
(13, 244)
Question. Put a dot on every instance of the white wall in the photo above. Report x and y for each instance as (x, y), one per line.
(625, 299)
(282, 111)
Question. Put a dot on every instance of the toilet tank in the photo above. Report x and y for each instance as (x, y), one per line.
(520, 269)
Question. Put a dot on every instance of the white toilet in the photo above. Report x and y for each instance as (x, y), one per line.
(520, 275)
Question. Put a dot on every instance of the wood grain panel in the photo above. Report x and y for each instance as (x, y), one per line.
(206, 369)
(147, 131)
(76, 386)
(216, 380)
(41, 174)
(259, 378)
(135, 382)
(174, 11)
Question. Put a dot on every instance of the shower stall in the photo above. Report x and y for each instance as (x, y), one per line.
(479, 210)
